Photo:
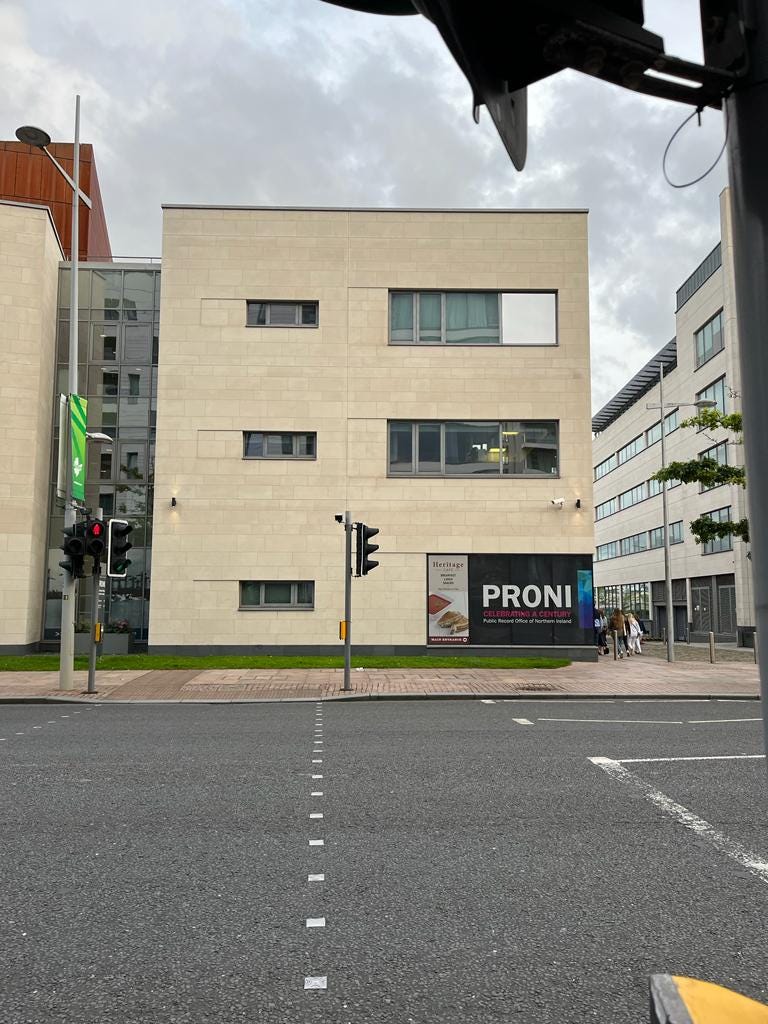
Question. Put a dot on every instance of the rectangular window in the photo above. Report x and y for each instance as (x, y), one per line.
(474, 448)
(676, 532)
(670, 422)
(277, 595)
(712, 547)
(719, 454)
(632, 545)
(606, 508)
(653, 434)
(654, 488)
(714, 393)
(472, 318)
(282, 314)
(656, 537)
(709, 339)
(633, 496)
(261, 445)
(605, 467)
(629, 451)
(603, 551)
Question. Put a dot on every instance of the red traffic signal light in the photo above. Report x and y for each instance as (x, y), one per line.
(94, 538)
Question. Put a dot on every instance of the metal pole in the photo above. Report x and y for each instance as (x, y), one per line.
(712, 647)
(747, 113)
(69, 589)
(665, 515)
(94, 623)
(347, 600)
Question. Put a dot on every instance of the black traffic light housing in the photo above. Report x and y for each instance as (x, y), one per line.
(95, 539)
(365, 564)
(118, 546)
(73, 546)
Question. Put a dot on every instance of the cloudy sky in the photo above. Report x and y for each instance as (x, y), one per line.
(295, 102)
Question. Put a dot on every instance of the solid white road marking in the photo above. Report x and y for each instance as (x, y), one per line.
(621, 721)
(319, 815)
(704, 757)
(718, 721)
(315, 878)
(317, 842)
(320, 982)
(522, 721)
(315, 922)
(757, 865)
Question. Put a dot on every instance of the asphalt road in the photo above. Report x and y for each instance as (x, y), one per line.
(155, 861)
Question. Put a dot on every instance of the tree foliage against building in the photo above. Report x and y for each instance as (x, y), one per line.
(710, 473)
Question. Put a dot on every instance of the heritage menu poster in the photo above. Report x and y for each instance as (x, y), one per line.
(447, 600)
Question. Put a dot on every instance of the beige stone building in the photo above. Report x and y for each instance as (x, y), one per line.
(427, 370)
(712, 583)
(29, 260)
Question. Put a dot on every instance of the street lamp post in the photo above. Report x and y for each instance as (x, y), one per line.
(40, 139)
(701, 404)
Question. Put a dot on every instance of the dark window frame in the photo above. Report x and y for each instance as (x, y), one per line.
(697, 364)
(293, 606)
(298, 303)
(293, 434)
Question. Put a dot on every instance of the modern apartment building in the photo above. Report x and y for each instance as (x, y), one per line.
(426, 370)
(712, 583)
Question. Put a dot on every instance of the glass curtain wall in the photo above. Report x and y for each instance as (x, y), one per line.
(117, 372)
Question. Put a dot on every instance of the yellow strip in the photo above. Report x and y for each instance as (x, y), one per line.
(713, 1004)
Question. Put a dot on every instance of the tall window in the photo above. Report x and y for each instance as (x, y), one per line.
(474, 448)
(259, 444)
(709, 339)
(719, 454)
(472, 318)
(277, 595)
(282, 314)
(714, 393)
(712, 547)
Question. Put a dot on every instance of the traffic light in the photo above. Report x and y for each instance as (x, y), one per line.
(364, 549)
(117, 547)
(73, 547)
(95, 537)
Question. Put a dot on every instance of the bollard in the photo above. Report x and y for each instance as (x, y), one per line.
(712, 648)
(615, 645)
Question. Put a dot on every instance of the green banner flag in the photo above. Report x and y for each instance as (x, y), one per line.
(78, 411)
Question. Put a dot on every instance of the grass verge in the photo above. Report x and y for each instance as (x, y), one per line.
(153, 662)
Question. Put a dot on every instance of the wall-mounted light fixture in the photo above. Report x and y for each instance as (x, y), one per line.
(578, 503)
(173, 502)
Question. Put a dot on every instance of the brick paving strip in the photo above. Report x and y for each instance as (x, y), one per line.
(636, 677)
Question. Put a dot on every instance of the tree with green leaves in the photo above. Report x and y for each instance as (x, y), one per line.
(710, 473)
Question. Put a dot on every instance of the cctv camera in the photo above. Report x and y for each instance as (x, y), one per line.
(559, 502)
(339, 519)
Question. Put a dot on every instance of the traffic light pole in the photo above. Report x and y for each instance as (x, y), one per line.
(69, 587)
(348, 601)
(93, 650)
(747, 113)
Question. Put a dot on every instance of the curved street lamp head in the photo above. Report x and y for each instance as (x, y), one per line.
(33, 136)
(705, 403)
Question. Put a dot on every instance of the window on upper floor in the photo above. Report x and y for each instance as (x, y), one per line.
(632, 545)
(634, 447)
(282, 314)
(709, 340)
(714, 393)
(719, 454)
(605, 508)
(474, 448)
(712, 547)
(605, 467)
(633, 496)
(472, 318)
(258, 444)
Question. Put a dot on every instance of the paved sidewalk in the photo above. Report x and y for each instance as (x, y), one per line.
(636, 677)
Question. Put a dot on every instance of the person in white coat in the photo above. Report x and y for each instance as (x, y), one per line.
(635, 633)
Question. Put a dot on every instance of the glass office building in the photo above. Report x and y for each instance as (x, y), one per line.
(119, 308)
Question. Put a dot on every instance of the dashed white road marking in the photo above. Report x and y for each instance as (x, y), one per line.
(63, 716)
(702, 757)
(317, 776)
(37, 727)
(2, 739)
(318, 815)
(53, 720)
(719, 721)
(754, 863)
(320, 761)
(315, 922)
(522, 721)
(19, 733)
(317, 842)
(315, 878)
(317, 792)
(318, 983)
(622, 721)
(487, 701)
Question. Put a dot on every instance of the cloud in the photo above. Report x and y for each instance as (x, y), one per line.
(298, 102)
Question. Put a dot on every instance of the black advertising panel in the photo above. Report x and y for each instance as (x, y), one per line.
(510, 600)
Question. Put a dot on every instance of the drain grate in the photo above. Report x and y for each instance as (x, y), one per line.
(538, 687)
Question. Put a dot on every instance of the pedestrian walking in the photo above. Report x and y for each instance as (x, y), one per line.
(619, 625)
(635, 634)
(601, 631)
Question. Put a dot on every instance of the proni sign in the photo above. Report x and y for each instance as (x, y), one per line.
(511, 600)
